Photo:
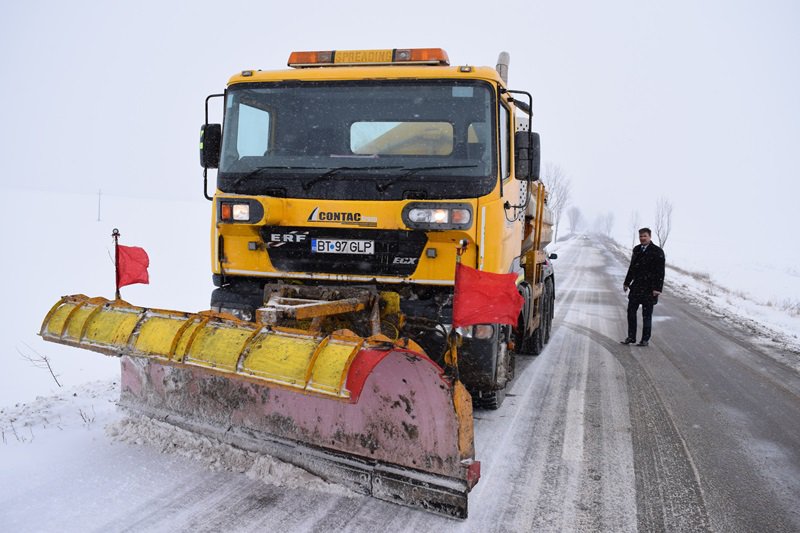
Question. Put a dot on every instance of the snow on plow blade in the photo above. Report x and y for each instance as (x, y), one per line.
(368, 414)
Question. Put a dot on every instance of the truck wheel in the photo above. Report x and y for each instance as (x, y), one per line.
(493, 399)
(239, 300)
(537, 340)
(547, 315)
(552, 308)
(490, 400)
(525, 346)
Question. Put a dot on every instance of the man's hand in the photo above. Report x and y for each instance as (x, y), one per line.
(625, 288)
(656, 293)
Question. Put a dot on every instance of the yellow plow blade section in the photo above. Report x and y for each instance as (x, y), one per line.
(278, 356)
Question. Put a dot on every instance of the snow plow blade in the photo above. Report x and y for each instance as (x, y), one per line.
(366, 413)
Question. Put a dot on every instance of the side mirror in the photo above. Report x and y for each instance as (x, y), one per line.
(536, 157)
(527, 152)
(522, 155)
(210, 145)
(552, 256)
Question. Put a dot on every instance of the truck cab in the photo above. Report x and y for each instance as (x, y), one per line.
(370, 169)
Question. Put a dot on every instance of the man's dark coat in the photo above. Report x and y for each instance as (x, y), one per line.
(646, 273)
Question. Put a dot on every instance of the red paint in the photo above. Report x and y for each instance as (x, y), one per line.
(404, 415)
(473, 473)
(365, 362)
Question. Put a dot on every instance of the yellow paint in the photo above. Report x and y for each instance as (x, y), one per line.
(387, 215)
(76, 322)
(462, 402)
(156, 336)
(501, 242)
(112, 326)
(281, 358)
(369, 72)
(219, 346)
(331, 366)
(57, 317)
(275, 356)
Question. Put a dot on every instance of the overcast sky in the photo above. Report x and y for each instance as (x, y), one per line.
(696, 101)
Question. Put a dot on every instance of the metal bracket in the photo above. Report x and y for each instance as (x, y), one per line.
(300, 302)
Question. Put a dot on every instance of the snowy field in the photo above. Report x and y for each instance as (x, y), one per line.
(64, 249)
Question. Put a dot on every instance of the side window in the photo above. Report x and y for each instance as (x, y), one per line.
(505, 146)
(253, 135)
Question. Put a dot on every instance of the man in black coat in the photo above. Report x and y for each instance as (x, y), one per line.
(645, 280)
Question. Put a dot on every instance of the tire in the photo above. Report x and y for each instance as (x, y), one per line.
(493, 399)
(490, 400)
(537, 341)
(552, 307)
(239, 299)
(547, 316)
(527, 346)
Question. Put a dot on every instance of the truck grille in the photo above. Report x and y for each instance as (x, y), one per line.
(396, 252)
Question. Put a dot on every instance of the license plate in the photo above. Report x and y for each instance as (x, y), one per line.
(342, 246)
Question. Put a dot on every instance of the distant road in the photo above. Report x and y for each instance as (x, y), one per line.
(700, 431)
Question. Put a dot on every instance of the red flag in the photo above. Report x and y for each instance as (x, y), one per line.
(485, 298)
(132, 263)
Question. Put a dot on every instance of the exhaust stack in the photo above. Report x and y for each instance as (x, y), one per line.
(502, 66)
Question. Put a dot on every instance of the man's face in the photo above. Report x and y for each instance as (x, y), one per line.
(644, 238)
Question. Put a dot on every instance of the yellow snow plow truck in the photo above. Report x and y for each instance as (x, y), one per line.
(346, 187)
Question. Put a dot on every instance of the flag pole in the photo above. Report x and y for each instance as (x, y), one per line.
(115, 234)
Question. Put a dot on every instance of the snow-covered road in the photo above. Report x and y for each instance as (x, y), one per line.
(699, 431)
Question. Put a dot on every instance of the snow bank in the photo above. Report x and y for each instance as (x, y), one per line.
(81, 407)
(44, 424)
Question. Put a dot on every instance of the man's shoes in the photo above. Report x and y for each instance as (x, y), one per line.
(628, 341)
(642, 343)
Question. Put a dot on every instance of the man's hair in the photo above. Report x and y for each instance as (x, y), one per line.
(645, 230)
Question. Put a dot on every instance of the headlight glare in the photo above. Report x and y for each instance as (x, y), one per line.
(435, 216)
(438, 215)
(241, 211)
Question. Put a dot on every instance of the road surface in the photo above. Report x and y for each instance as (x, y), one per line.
(700, 431)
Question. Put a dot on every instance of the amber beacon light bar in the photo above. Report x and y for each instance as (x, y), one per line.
(396, 56)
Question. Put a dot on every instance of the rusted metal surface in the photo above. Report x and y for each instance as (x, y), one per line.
(402, 440)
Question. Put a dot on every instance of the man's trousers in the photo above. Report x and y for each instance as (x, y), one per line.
(647, 316)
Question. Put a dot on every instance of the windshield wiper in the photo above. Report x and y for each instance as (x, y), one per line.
(409, 171)
(330, 174)
(259, 170)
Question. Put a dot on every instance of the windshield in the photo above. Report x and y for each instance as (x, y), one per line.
(365, 140)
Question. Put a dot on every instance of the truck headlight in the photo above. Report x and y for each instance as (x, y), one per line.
(437, 215)
(241, 211)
